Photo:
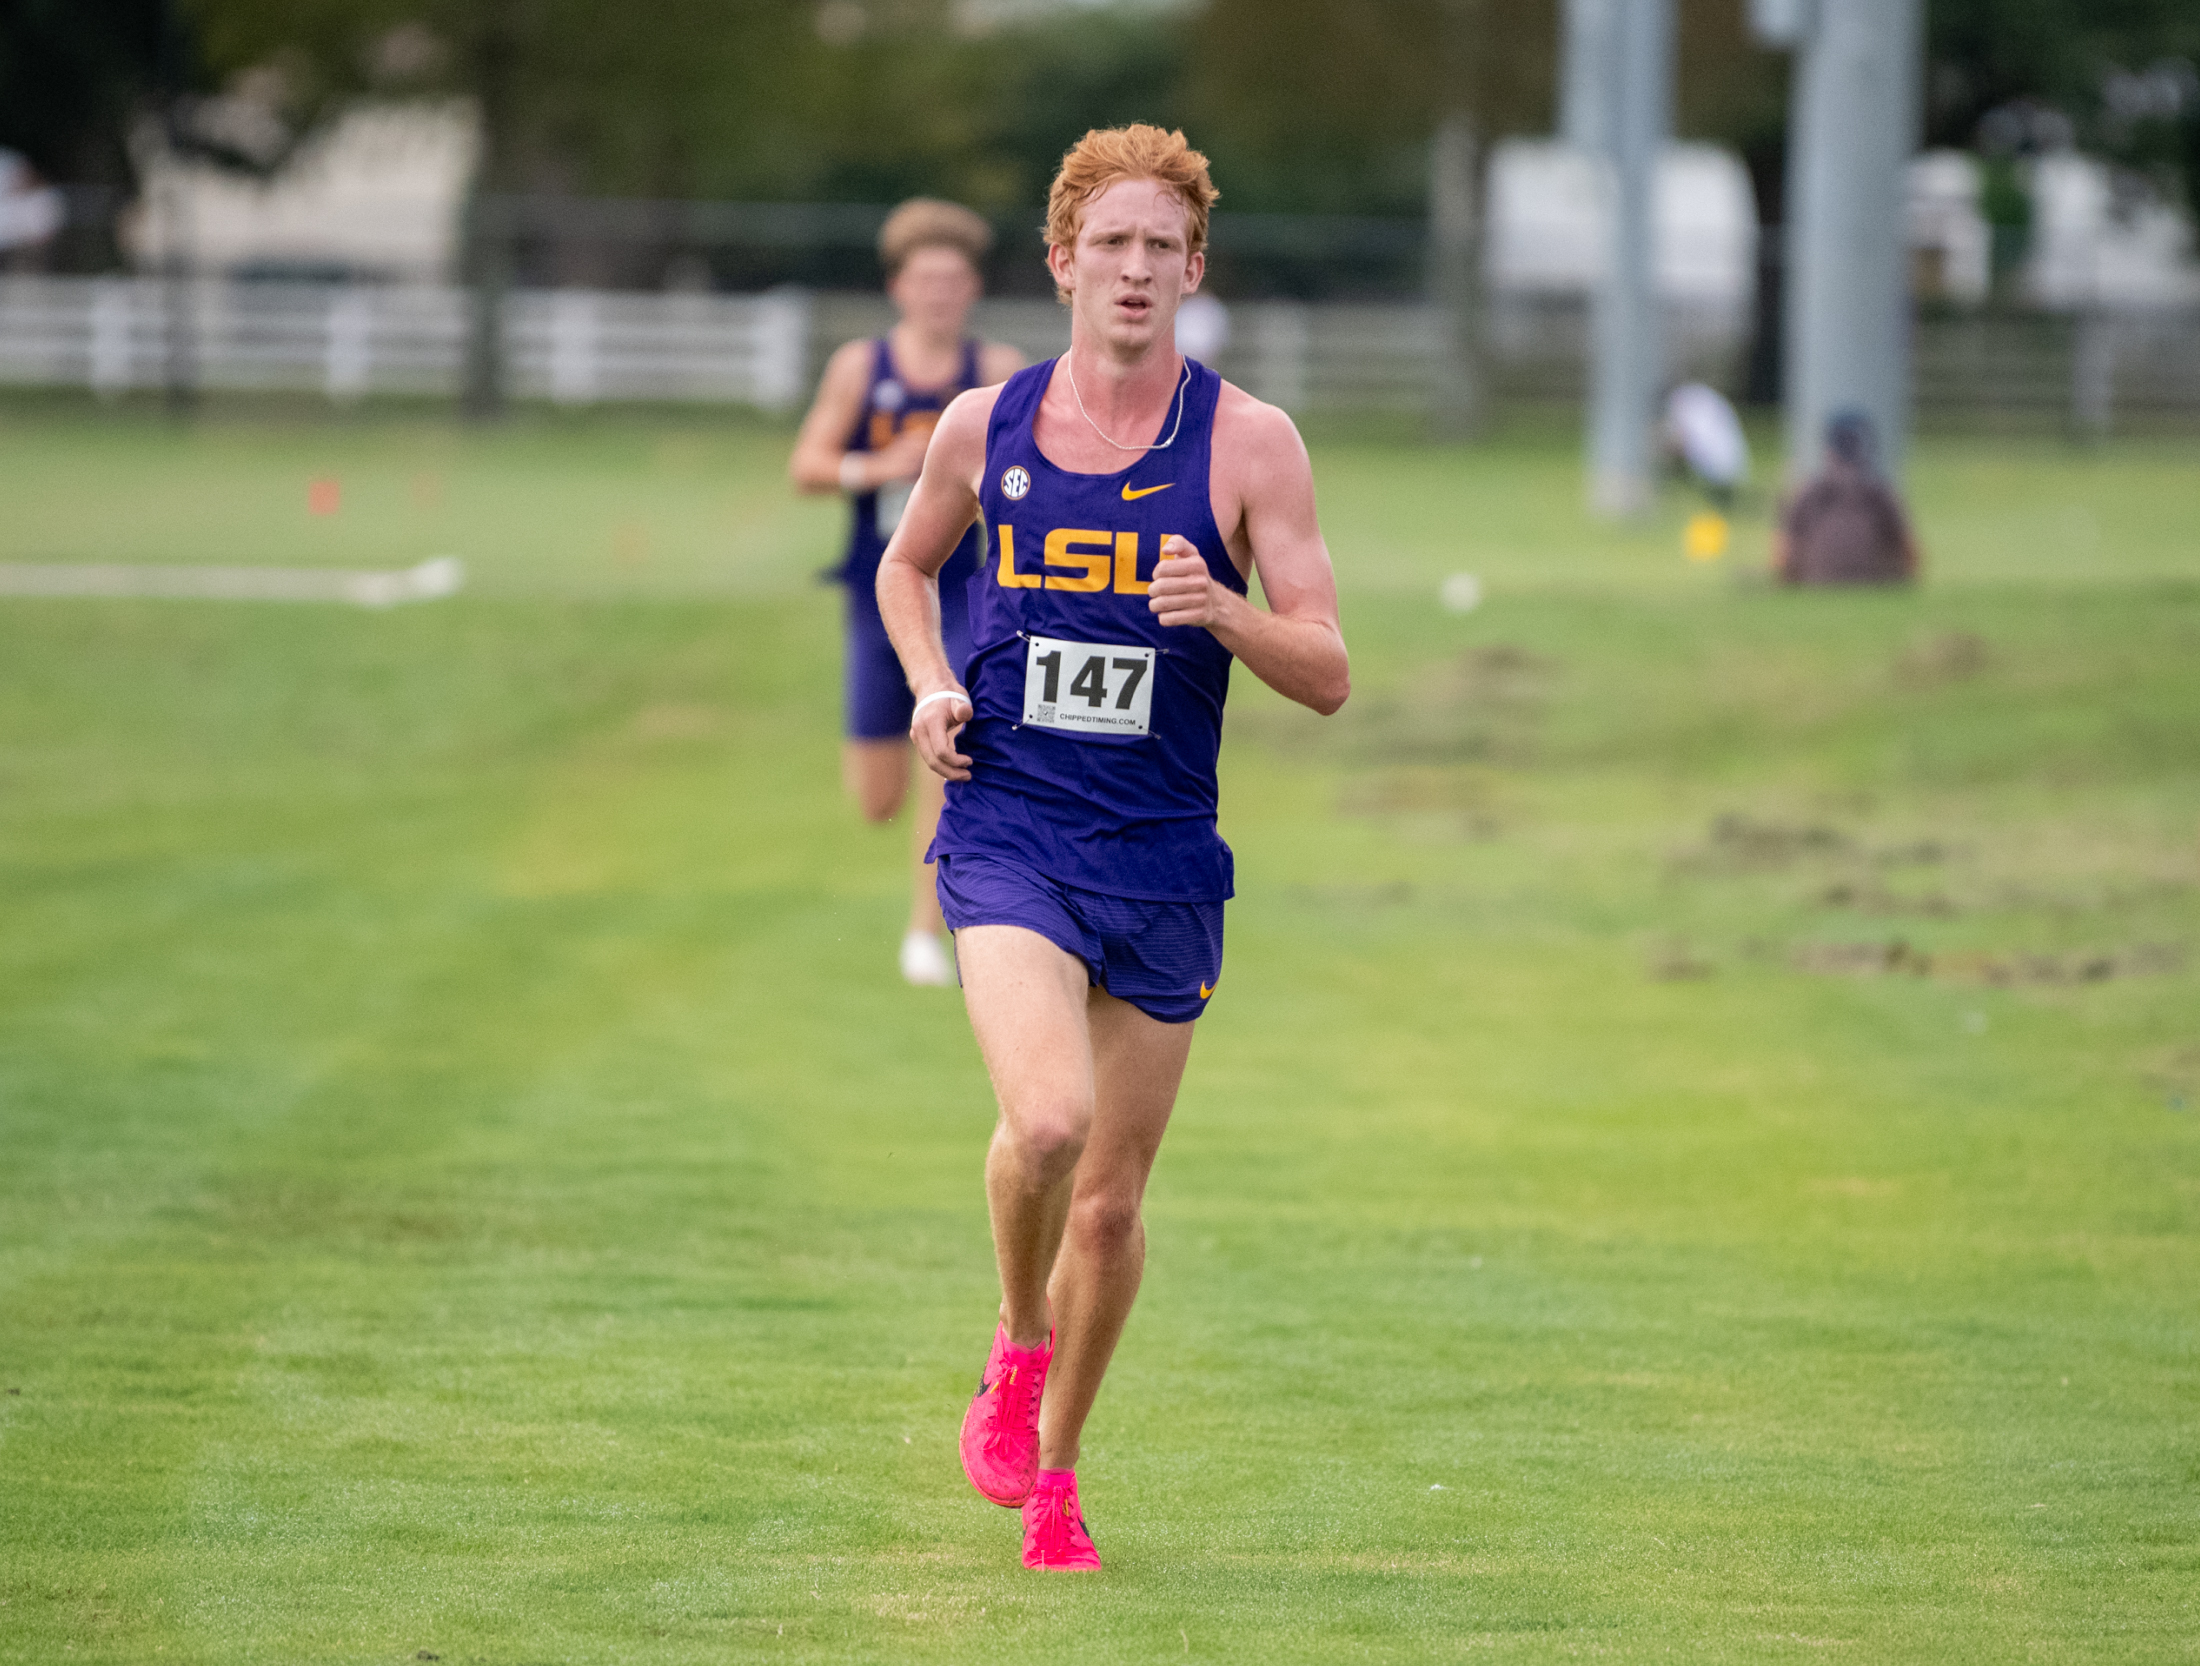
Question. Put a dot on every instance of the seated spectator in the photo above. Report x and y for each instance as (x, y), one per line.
(1846, 525)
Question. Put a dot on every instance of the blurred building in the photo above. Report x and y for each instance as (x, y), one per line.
(1951, 245)
(376, 197)
(30, 213)
(2100, 240)
(1547, 212)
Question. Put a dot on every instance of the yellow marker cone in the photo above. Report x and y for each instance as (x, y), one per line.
(1706, 537)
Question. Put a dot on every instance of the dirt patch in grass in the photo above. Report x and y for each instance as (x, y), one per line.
(1898, 958)
(1946, 657)
(1455, 802)
(2175, 1074)
(1737, 843)
(1676, 960)
(1870, 897)
(1485, 704)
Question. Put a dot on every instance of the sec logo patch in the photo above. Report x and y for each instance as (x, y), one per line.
(1014, 484)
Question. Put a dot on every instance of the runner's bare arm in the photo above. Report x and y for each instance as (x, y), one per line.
(1295, 646)
(940, 511)
(821, 449)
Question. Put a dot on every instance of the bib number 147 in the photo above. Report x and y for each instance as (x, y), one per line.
(1095, 688)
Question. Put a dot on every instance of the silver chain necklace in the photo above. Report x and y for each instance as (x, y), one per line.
(1182, 382)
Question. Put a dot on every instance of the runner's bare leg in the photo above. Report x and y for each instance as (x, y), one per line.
(1085, 1084)
(876, 774)
(1138, 1064)
(1027, 1002)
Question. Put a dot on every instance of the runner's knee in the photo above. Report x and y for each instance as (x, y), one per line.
(1049, 1136)
(1104, 1224)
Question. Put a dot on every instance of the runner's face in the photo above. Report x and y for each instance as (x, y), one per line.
(934, 290)
(1131, 266)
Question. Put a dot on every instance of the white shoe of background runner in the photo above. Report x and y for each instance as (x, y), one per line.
(925, 961)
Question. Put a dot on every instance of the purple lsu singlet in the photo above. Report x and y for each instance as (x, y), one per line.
(892, 407)
(1096, 727)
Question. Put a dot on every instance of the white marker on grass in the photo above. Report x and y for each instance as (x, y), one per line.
(1460, 593)
(444, 575)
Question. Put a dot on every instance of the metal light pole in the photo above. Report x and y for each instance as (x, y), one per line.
(1852, 129)
(486, 253)
(1455, 269)
(1585, 88)
(1626, 343)
(1455, 220)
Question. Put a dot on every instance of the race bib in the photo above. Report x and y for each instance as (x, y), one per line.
(1093, 688)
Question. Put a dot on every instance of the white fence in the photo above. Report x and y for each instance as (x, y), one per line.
(1355, 355)
(351, 340)
(580, 347)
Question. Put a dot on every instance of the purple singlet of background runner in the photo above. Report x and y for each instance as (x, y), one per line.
(877, 693)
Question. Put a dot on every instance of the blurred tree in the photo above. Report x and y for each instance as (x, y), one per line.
(1305, 104)
(1734, 92)
(77, 75)
(572, 94)
(1988, 53)
(1731, 90)
(1328, 106)
(1040, 88)
(2120, 75)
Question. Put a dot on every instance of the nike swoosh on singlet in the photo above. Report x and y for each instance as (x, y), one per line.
(1130, 496)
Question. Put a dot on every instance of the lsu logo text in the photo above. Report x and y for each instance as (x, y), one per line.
(1075, 559)
(885, 425)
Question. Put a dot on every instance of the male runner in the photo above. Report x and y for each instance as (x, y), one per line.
(1131, 494)
(865, 437)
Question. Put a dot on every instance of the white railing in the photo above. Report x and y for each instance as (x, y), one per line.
(581, 347)
(347, 341)
(1359, 355)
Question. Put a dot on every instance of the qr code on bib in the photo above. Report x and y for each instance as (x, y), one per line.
(1094, 688)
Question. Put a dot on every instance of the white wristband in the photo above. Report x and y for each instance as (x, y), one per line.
(942, 694)
(851, 474)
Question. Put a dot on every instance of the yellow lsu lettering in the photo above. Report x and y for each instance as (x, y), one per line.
(1008, 577)
(1093, 557)
(1126, 566)
(1067, 547)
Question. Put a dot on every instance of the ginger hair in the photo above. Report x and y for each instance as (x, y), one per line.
(1108, 155)
(929, 223)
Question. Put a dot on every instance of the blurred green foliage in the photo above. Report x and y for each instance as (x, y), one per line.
(1986, 53)
(73, 73)
(2068, 57)
(1305, 105)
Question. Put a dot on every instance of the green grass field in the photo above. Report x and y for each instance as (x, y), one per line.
(1697, 1152)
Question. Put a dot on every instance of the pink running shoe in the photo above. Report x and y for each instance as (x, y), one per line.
(1054, 1526)
(1000, 1432)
